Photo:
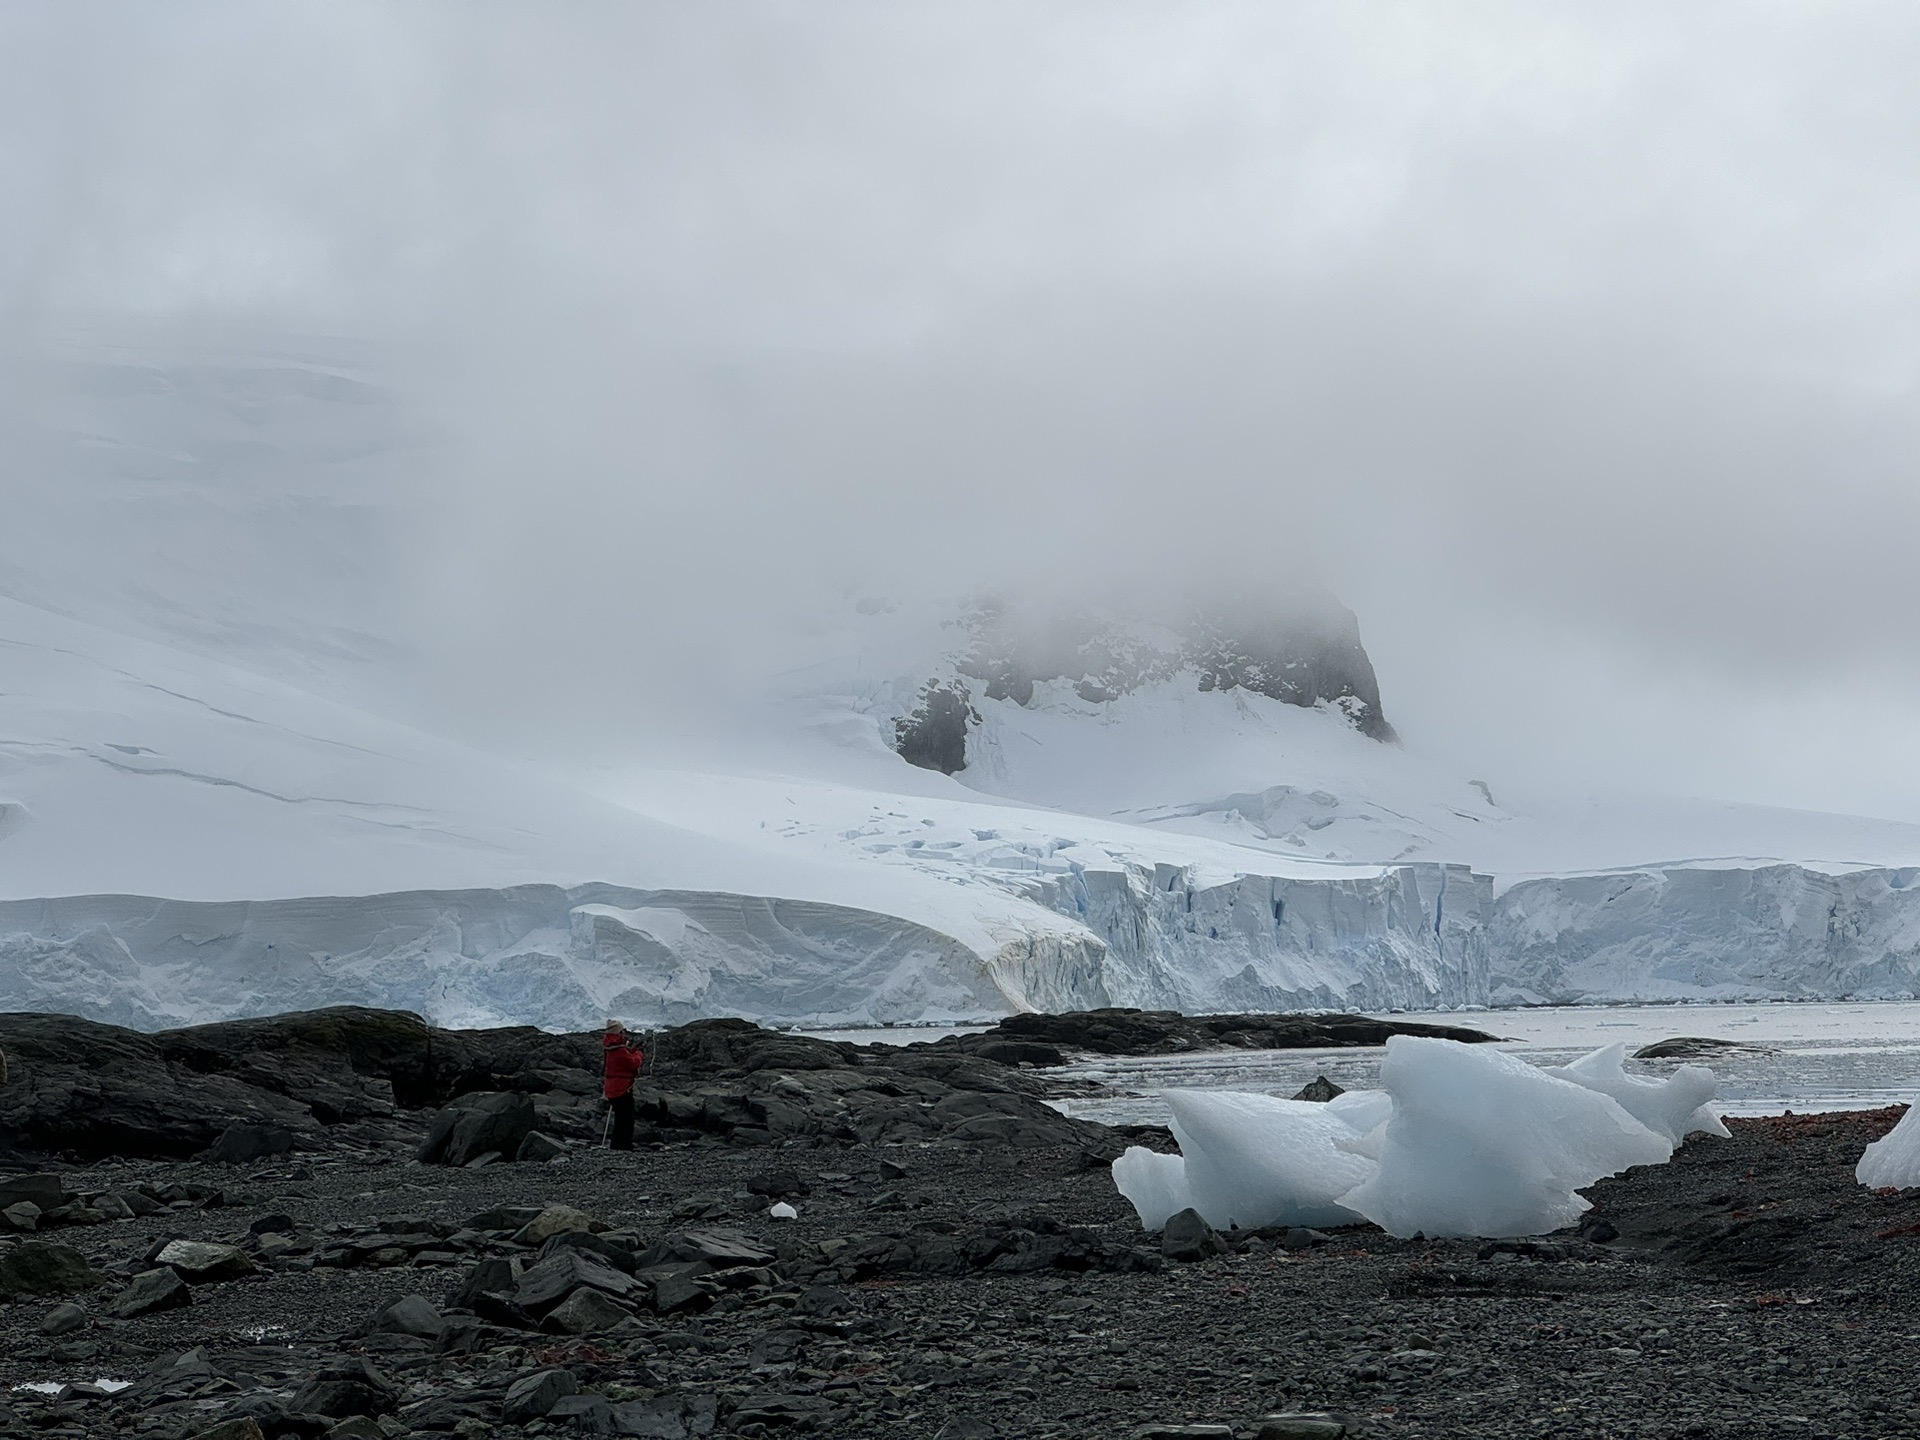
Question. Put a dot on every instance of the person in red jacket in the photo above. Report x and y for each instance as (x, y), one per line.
(623, 1062)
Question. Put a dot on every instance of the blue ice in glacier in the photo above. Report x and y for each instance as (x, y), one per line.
(1461, 1140)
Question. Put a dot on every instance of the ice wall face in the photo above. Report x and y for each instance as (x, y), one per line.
(537, 954)
(1770, 932)
(1411, 937)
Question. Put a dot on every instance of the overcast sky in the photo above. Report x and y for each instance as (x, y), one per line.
(1574, 348)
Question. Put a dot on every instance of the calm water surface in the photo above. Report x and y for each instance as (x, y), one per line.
(1805, 1057)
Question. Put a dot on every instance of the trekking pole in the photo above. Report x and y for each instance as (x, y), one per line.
(606, 1130)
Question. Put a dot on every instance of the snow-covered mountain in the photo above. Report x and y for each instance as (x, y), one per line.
(932, 807)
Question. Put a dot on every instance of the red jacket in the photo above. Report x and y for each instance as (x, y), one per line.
(623, 1063)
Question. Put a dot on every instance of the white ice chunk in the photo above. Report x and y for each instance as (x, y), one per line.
(1482, 1143)
(1364, 1110)
(1674, 1107)
(1258, 1160)
(1894, 1159)
(1155, 1184)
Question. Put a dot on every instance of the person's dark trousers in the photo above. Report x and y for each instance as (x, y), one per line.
(622, 1121)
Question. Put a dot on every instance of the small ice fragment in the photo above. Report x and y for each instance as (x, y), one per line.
(1154, 1184)
(781, 1210)
(1893, 1161)
(1257, 1160)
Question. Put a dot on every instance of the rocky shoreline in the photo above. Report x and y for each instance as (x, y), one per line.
(957, 1264)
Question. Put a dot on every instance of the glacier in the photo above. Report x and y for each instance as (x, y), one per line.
(206, 809)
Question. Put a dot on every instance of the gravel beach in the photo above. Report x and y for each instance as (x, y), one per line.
(953, 1285)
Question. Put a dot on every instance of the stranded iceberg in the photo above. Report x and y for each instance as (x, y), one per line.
(1460, 1140)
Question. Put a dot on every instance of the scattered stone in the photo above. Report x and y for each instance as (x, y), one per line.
(64, 1319)
(1184, 1432)
(546, 1284)
(537, 1149)
(348, 1387)
(43, 1192)
(1320, 1090)
(1300, 1425)
(150, 1292)
(239, 1144)
(409, 1315)
(22, 1215)
(199, 1262)
(35, 1268)
(1188, 1237)
(532, 1397)
(584, 1414)
(245, 1428)
(555, 1220)
(585, 1312)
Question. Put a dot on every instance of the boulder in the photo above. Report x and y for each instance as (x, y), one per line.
(721, 1249)
(478, 1125)
(149, 1292)
(409, 1315)
(35, 1268)
(539, 1148)
(532, 1397)
(23, 1215)
(347, 1387)
(244, 1428)
(201, 1262)
(1320, 1090)
(45, 1192)
(64, 1319)
(1301, 1425)
(1189, 1237)
(555, 1220)
(240, 1143)
(560, 1274)
(585, 1312)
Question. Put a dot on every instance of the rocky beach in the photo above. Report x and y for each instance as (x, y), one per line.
(342, 1223)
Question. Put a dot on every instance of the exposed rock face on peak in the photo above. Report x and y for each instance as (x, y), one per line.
(1303, 650)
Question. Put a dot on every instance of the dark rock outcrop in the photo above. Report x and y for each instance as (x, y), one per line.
(478, 1125)
(1300, 648)
(1123, 1031)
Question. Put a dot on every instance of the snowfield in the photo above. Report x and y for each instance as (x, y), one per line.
(205, 813)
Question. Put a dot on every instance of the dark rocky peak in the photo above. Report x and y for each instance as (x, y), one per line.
(1298, 646)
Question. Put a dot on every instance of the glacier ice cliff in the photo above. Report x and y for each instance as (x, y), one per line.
(1420, 936)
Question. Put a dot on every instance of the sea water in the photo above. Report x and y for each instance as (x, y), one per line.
(1801, 1057)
